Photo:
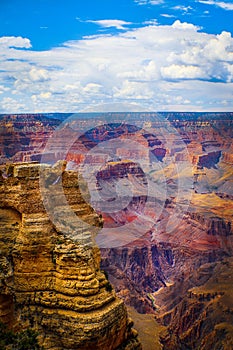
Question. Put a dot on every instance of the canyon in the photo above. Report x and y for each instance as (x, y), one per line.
(161, 189)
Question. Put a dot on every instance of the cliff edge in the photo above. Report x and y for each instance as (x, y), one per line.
(48, 281)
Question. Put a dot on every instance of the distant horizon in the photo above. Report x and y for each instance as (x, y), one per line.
(69, 114)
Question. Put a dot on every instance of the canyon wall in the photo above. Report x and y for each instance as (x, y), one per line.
(49, 281)
(203, 318)
(21, 136)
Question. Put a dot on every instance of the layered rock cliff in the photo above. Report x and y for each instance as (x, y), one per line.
(50, 280)
(203, 318)
(23, 135)
(136, 272)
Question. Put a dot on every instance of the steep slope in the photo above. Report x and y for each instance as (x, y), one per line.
(204, 317)
(49, 281)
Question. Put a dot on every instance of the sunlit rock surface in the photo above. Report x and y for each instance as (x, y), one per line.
(48, 281)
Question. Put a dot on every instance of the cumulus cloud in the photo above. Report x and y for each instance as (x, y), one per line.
(37, 75)
(156, 66)
(224, 5)
(176, 71)
(134, 90)
(207, 51)
(12, 41)
(185, 26)
(11, 105)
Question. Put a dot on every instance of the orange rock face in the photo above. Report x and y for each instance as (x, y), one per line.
(48, 280)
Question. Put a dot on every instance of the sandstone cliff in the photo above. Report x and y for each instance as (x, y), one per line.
(49, 281)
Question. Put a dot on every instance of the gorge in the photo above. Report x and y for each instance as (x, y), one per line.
(163, 194)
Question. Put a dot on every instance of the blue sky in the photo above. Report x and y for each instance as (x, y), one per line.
(71, 55)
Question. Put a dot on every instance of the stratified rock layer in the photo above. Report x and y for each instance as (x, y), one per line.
(48, 281)
(203, 318)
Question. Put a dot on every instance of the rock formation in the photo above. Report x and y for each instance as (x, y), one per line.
(172, 274)
(48, 281)
(203, 318)
(24, 135)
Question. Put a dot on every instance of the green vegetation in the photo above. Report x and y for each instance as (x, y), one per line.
(108, 287)
(25, 340)
(105, 274)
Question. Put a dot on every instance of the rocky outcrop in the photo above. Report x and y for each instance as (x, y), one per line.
(209, 160)
(227, 158)
(23, 135)
(213, 225)
(137, 271)
(50, 280)
(159, 153)
(203, 319)
(120, 169)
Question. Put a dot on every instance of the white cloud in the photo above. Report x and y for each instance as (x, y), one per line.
(92, 88)
(153, 22)
(184, 9)
(37, 75)
(10, 105)
(207, 51)
(166, 15)
(3, 89)
(229, 68)
(149, 2)
(134, 90)
(108, 23)
(45, 94)
(224, 5)
(149, 72)
(156, 2)
(12, 41)
(176, 71)
(185, 26)
(158, 67)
